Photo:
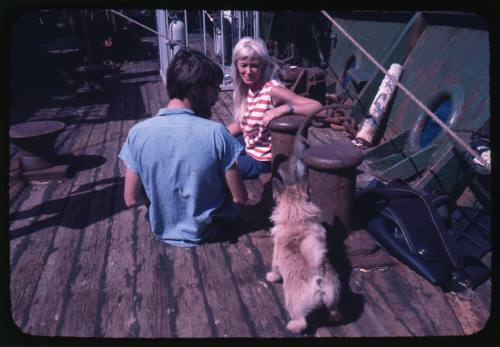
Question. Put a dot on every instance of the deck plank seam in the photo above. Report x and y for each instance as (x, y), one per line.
(201, 287)
(244, 310)
(75, 267)
(279, 303)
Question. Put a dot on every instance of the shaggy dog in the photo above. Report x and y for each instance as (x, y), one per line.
(299, 255)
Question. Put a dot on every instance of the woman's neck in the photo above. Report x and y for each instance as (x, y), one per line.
(257, 86)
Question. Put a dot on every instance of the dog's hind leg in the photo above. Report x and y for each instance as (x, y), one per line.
(274, 275)
(297, 325)
(297, 311)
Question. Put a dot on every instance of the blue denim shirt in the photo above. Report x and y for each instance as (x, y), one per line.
(181, 160)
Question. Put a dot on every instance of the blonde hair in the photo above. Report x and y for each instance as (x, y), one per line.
(249, 47)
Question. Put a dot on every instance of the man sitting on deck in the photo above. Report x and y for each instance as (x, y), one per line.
(182, 165)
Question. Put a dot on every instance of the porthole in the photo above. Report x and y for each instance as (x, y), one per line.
(431, 129)
(446, 105)
(351, 64)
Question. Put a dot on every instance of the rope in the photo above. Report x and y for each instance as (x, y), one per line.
(410, 95)
(170, 42)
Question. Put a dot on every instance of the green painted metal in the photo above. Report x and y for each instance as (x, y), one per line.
(383, 164)
(441, 54)
(396, 144)
(410, 166)
(376, 31)
(401, 48)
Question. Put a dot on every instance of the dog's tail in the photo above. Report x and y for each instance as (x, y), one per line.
(313, 251)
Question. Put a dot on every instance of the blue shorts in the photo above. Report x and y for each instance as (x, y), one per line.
(250, 167)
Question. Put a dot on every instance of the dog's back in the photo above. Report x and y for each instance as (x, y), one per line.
(309, 280)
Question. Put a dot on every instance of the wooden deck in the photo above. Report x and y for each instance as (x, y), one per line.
(83, 265)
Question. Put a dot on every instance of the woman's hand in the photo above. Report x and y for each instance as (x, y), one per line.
(274, 113)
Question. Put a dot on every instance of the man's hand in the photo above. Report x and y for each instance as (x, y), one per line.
(133, 192)
(235, 185)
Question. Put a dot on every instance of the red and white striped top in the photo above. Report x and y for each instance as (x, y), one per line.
(257, 137)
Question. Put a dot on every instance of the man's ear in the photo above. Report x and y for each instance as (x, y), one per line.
(194, 92)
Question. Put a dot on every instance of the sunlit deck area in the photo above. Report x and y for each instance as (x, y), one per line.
(82, 264)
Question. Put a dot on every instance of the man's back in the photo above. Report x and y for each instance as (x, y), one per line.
(181, 160)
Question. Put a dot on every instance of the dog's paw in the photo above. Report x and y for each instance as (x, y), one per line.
(297, 325)
(273, 277)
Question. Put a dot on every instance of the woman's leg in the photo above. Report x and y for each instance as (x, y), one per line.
(249, 167)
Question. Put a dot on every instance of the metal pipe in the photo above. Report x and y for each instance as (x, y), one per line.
(186, 27)
(222, 36)
(204, 32)
(239, 25)
(256, 24)
(169, 55)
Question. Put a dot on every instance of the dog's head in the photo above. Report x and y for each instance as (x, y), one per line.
(288, 190)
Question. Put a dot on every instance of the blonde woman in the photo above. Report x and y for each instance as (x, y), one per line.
(258, 98)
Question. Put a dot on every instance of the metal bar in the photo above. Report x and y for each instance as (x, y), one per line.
(169, 34)
(186, 27)
(256, 29)
(222, 36)
(204, 32)
(239, 25)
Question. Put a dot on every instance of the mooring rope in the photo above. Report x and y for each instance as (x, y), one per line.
(450, 132)
(170, 41)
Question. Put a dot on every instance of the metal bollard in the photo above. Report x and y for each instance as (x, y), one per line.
(35, 141)
(332, 180)
(283, 131)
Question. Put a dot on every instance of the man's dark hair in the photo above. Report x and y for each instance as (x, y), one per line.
(190, 68)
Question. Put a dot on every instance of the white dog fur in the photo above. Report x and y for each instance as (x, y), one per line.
(299, 256)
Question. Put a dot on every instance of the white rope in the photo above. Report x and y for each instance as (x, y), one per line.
(171, 42)
(412, 97)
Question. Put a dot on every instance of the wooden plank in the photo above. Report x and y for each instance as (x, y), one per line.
(188, 308)
(57, 275)
(263, 308)
(222, 297)
(83, 297)
(28, 276)
(472, 308)
(407, 305)
(119, 296)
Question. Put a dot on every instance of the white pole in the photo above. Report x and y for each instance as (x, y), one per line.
(379, 105)
(186, 27)
(256, 24)
(239, 25)
(204, 32)
(169, 35)
(222, 36)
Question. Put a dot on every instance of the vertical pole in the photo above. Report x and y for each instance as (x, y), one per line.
(169, 35)
(186, 27)
(204, 32)
(222, 36)
(239, 25)
(256, 28)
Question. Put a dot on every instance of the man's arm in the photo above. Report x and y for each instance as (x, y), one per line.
(133, 192)
(236, 186)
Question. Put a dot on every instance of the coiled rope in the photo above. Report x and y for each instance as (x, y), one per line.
(450, 132)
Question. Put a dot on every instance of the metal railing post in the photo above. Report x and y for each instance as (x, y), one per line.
(169, 35)
(256, 29)
(186, 27)
(222, 35)
(204, 32)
